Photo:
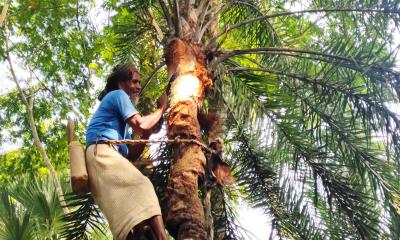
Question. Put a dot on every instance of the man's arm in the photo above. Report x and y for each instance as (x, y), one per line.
(135, 150)
(143, 125)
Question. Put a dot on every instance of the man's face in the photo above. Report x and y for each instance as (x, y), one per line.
(134, 87)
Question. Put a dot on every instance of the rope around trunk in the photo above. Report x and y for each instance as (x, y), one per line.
(170, 141)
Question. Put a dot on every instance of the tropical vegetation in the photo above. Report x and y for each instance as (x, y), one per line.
(303, 96)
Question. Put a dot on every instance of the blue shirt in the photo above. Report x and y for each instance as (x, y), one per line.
(109, 120)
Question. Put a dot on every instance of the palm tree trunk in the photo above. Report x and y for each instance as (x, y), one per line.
(185, 214)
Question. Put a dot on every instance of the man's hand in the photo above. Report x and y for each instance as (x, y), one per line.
(144, 124)
(162, 102)
(158, 126)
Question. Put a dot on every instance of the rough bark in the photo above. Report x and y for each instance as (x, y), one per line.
(185, 214)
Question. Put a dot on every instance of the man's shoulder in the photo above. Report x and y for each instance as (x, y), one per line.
(116, 94)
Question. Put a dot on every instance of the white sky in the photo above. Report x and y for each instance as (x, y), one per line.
(250, 218)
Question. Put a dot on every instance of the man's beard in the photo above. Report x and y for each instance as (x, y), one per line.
(135, 100)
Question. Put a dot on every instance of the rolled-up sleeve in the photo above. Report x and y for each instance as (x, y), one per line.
(124, 105)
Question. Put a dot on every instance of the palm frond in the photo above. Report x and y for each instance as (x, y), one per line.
(258, 34)
(350, 13)
(315, 156)
(15, 220)
(132, 26)
(225, 218)
(40, 198)
(84, 218)
(257, 180)
(160, 174)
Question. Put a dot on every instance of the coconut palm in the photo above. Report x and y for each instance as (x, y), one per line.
(300, 95)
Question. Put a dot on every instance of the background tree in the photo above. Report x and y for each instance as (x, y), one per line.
(45, 37)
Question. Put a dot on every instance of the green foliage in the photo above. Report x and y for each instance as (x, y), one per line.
(55, 42)
(15, 221)
(84, 219)
(30, 210)
(308, 130)
(313, 117)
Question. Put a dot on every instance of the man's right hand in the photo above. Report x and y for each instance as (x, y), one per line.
(162, 102)
(144, 124)
(158, 126)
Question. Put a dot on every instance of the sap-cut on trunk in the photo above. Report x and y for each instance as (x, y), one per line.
(185, 214)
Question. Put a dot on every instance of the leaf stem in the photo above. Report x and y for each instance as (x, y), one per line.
(234, 26)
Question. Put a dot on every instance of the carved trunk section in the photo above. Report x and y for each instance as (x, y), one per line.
(186, 67)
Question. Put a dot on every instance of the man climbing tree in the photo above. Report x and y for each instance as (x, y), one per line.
(124, 195)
